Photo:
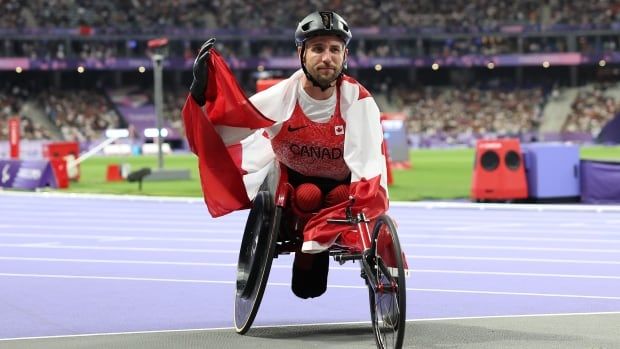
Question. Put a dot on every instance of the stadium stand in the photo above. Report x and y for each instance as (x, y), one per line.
(12, 103)
(455, 16)
(451, 116)
(591, 110)
(489, 79)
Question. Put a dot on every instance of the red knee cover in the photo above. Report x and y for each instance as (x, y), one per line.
(308, 197)
(337, 195)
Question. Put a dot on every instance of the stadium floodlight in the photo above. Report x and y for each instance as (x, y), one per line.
(117, 133)
(152, 132)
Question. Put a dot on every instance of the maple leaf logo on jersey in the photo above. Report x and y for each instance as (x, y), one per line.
(339, 129)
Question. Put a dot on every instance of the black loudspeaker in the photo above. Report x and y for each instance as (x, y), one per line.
(138, 176)
(499, 172)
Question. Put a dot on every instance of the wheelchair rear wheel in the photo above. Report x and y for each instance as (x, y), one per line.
(388, 294)
(255, 258)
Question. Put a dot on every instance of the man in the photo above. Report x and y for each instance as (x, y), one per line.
(323, 125)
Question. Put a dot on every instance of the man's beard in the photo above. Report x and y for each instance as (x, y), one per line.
(326, 79)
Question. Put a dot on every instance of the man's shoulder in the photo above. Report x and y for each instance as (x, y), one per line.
(352, 89)
(277, 102)
(356, 99)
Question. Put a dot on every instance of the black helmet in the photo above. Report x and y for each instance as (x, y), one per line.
(322, 23)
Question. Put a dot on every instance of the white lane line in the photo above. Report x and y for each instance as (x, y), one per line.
(419, 207)
(119, 248)
(453, 223)
(411, 257)
(501, 273)
(532, 226)
(557, 295)
(123, 261)
(223, 282)
(237, 230)
(395, 204)
(119, 227)
(565, 221)
(237, 240)
(162, 220)
(110, 206)
(343, 323)
(514, 259)
(418, 225)
(569, 219)
(542, 226)
(282, 266)
(456, 222)
(118, 237)
(462, 226)
(99, 197)
(513, 248)
(531, 229)
(50, 244)
(516, 207)
(219, 251)
(85, 231)
(501, 238)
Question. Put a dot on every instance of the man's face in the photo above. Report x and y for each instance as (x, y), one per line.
(324, 58)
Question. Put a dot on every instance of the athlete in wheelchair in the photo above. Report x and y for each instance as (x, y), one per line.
(306, 155)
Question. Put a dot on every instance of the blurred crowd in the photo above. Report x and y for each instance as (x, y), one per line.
(72, 115)
(449, 15)
(591, 110)
(80, 115)
(489, 21)
(12, 100)
(435, 115)
(459, 116)
(173, 103)
(449, 114)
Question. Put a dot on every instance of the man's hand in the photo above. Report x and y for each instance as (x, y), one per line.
(199, 84)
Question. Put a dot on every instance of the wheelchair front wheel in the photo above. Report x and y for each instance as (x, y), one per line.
(386, 286)
(255, 258)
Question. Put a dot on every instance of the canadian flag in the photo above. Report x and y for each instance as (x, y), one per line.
(339, 130)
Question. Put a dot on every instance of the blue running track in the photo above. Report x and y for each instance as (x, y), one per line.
(74, 264)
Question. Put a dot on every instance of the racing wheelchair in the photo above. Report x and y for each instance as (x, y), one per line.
(268, 234)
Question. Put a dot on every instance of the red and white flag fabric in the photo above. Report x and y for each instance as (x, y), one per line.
(231, 137)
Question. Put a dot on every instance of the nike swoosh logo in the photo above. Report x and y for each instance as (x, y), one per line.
(293, 129)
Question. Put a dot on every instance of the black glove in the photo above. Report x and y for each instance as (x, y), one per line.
(199, 84)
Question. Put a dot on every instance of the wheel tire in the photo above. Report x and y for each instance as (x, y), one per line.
(255, 258)
(388, 309)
